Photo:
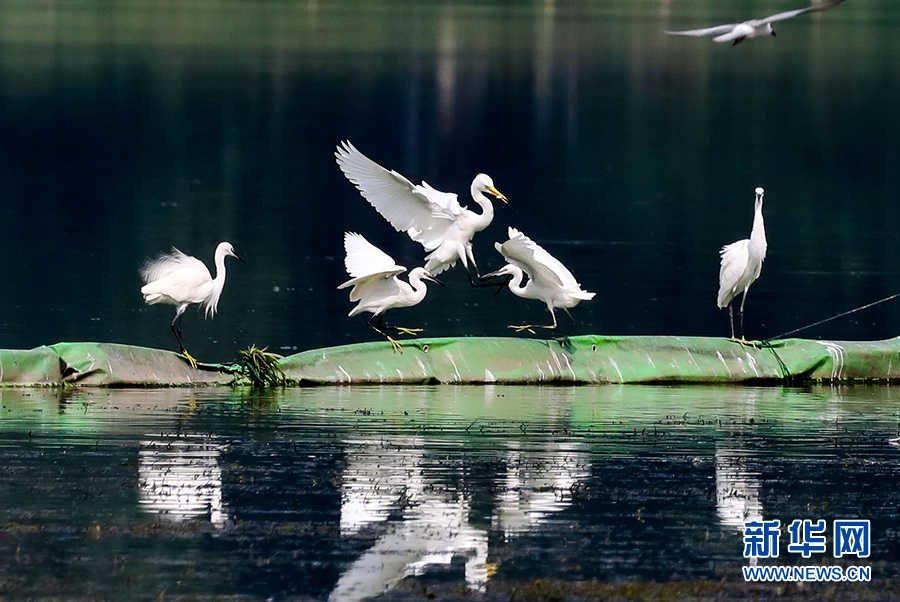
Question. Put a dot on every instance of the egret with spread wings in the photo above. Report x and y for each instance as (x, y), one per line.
(548, 279)
(181, 280)
(373, 276)
(430, 217)
(741, 264)
(754, 28)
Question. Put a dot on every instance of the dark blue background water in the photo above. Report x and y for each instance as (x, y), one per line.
(128, 128)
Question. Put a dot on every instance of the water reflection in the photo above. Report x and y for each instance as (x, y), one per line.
(394, 487)
(538, 482)
(345, 492)
(738, 488)
(429, 528)
(180, 477)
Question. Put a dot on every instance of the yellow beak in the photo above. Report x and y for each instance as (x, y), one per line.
(496, 193)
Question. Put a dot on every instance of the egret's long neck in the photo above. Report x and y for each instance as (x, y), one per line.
(487, 209)
(217, 284)
(219, 280)
(758, 233)
(515, 284)
(418, 286)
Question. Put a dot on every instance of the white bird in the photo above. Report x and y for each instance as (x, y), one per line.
(373, 276)
(741, 264)
(548, 279)
(430, 217)
(754, 28)
(181, 280)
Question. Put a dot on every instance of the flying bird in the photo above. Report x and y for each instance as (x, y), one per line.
(754, 28)
(430, 217)
(373, 276)
(548, 279)
(741, 264)
(181, 280)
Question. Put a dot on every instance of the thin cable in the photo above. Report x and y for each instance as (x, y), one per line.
(840, 315)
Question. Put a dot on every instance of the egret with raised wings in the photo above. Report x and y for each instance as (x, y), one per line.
(430, 217)
(181, 280)
(741, 264)
(373, 276)
(548, 279)
(753, 28)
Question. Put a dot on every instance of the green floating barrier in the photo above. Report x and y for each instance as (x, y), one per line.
(587, 359)
(101, 364)
(596, 359)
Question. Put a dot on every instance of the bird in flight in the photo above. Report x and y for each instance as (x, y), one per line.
(430, 217)
(741, 264)
(548, 279)
(181, 280)
(754, 28)
(373, 276)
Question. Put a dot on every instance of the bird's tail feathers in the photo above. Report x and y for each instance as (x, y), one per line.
(435, 267)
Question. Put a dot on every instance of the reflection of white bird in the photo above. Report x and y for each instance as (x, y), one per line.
(741, 264)
(754, 28)
(373, 276)
(432, 218)
(548, 279)
(182, 280)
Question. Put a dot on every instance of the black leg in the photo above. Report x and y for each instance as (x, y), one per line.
(380, 327)
(731, 318)
(177, 331)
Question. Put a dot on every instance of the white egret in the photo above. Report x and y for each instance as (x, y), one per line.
(754, 28)
(430, 217)
(181, 280)
(741, 264)
(373, 276)
(548, 279)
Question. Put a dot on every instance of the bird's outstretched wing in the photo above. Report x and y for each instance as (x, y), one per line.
(535, 261)
(707, 31)
(419, 210)
(800, 11)
(363, 259)
(167, 264)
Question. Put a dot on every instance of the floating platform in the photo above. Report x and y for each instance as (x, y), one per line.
(589, 359)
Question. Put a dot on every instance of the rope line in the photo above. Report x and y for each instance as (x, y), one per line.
(840, 315)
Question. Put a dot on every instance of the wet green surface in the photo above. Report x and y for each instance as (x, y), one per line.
(341, 492)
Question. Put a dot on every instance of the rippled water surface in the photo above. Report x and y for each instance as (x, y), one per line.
(341, 493)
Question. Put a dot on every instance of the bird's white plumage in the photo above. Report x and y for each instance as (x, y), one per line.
(430, 217)
(548, 279)
(736, 271)
(752, 28)
(535, 261)
(182, 280)
(741, 262)
(363, 259)
(374, 278)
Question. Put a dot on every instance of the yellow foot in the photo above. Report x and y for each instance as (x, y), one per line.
(190, 359)
(397, 346)
(409, 331)
(523, 328)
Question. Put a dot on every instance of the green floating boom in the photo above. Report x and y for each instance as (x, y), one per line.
(585, 360)
(597, 359)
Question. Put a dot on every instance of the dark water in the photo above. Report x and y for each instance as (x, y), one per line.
(338, 493)
(130, 127)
